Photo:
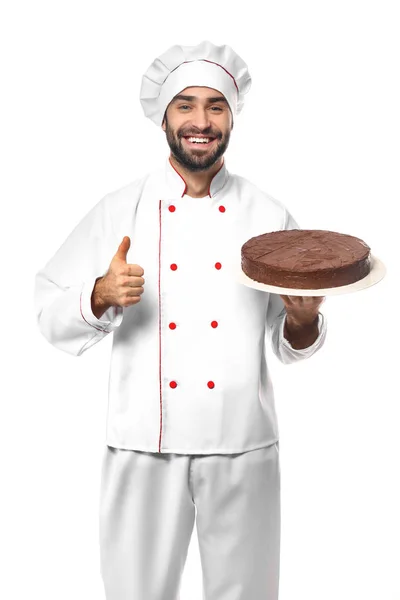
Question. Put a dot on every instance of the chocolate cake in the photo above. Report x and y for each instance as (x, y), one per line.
(306, 259)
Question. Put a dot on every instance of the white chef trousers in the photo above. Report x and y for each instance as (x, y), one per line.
(149, 503)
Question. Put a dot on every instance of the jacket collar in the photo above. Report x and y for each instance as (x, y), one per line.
(177, 184)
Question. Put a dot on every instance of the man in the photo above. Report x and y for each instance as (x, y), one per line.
(192, 432)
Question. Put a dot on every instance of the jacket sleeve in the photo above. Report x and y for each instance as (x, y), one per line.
(276, 314)
(63, 287)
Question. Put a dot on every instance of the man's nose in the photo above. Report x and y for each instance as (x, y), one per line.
(201, 118)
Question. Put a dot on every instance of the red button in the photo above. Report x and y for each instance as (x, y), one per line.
(171, 208)
(214, 324)
(222, 208)
(172, 325)
(174, 267)
(210, 384)
(218, 265)
(173, 384)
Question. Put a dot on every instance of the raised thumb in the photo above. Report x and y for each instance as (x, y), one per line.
(123, 248)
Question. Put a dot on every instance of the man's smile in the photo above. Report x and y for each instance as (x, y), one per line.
(200, 141)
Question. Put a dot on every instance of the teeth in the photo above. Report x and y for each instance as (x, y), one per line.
(199, 140)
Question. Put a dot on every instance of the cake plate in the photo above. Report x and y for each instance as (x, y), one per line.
(377, 272)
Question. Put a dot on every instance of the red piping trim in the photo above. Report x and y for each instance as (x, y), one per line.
(214, 63)
(80, 306)
(159, 324)
(184, 192)
(215, 174)
(209, 187)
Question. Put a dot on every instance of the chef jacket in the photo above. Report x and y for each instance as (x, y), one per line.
(188, 370)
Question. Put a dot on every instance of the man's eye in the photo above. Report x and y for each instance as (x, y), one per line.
(218, 108)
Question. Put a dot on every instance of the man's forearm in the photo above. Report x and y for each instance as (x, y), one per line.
(300, 335)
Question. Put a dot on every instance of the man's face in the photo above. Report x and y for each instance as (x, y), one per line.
(198, 112)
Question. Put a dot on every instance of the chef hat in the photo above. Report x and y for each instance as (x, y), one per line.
(204, 65)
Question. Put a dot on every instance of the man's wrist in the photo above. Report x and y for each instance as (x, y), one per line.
(301, 333)
(98, 303)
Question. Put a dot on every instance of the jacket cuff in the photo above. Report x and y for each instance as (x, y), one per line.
(110, 320)
(309, 349)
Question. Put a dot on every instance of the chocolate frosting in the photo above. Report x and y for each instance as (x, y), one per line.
(306, 258)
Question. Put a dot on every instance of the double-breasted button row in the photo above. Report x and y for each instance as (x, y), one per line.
(172, 208)
(173, 384)
(214, 324)
(174, 266)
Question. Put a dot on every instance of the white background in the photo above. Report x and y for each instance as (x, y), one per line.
(319, 131)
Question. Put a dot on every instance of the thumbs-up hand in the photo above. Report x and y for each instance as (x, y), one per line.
(122, 285)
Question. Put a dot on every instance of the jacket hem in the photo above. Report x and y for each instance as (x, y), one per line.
(194, 451)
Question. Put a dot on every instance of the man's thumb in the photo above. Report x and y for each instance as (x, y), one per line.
(123, 248)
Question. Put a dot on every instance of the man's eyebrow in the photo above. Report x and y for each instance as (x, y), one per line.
(191, 98)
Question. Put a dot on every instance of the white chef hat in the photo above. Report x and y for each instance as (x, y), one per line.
(204, 65)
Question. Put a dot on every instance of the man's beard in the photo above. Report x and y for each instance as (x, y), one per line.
(194, 161)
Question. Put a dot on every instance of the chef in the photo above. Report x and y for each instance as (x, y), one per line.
(192, 434)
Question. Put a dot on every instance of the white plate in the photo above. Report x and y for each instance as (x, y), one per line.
(378, 271)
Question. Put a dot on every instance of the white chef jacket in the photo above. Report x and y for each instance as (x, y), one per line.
(188, 370)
